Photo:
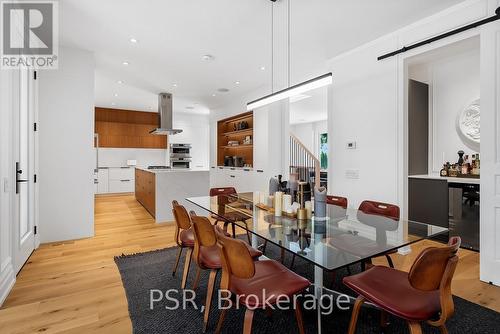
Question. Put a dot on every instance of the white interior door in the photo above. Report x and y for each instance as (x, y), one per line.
(24, 104)
(490, 154)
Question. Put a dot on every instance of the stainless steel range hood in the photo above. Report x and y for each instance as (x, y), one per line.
(165, 116)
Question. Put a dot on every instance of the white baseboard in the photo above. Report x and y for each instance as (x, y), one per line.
(7, 280)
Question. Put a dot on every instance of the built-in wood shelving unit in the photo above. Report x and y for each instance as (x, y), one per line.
(227, 130)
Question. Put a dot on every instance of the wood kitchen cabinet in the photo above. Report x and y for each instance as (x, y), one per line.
(145, 190)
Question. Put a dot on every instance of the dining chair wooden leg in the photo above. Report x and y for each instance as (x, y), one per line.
(415, 327)
(208, 302)
(389, 260)
(264, 246)
(197, 278)
(300, 321)
(247, 325)
(282, 255)
(222, 316)
(187, 263)
(177, 261)
(234, 230)
(248, 233)
(355, 312)
(383, 319)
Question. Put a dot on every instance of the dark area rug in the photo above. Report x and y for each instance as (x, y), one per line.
(144, 272)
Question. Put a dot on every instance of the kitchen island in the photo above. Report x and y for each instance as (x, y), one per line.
(156, 189)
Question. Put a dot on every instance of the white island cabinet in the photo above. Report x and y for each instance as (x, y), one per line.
(156, 189)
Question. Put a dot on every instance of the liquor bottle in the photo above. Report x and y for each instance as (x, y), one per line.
(444, 171)
(465, 168)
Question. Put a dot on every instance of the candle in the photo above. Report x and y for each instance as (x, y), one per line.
(270, 201)
(256, 197)
(262, 197)
(287, 202)
(278, 203)
(308, 207)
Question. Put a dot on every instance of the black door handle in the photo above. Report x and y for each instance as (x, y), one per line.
(18, 180)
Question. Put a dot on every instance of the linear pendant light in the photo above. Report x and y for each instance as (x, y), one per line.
(321, 81)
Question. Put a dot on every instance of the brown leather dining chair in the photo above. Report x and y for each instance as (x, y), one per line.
(207, 256)
(336, 200)
(242, 276)
(184, 238)
(232, 216)
(426, 289)
(386, 210)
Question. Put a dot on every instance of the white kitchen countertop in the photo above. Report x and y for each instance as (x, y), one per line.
(449, 179)
(172, 170)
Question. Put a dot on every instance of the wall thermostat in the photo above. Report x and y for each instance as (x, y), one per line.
(351, 145)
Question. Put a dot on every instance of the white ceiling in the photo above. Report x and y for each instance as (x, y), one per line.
(174, 35)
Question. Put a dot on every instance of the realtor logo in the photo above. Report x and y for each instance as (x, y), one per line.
(29, 34)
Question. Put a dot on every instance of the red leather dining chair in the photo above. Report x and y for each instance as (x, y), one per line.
(386, 210)
(243, 277)
(184, 238)
(232, 216)
(336, 200)
(207, 256)
(423, 294)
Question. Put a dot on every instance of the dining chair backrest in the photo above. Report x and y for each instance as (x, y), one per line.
(235, 258)
(337, 200)
(380, 209)
(222, 191)
(432, 265)
(433, 270)
(204, 232)
(181, 216)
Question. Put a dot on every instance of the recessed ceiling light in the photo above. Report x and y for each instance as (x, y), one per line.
(125, 63)
(207, 57)
(223, 90)
(189, 108)
(262, 68)
(112, 103)
(175, 85)
(214, 95)
(237, 82)
(133, 40)
(115, 94)
(120, 82)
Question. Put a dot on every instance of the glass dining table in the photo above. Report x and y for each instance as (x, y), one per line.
(344, 238)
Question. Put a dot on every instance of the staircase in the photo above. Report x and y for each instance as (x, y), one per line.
(303, 163)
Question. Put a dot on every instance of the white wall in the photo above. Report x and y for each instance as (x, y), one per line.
(117, 157)
(195, 131)
(7, 276)
(454, 82)
(308, 134)
(67, 160)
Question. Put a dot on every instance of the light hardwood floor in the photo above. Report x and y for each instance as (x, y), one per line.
(75, 286)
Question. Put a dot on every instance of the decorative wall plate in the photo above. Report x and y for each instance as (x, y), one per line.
(469, 125)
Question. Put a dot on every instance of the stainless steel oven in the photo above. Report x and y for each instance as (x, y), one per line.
(180, 155)
(180, 162)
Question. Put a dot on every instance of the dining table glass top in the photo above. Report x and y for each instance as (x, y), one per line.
(344, 237)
